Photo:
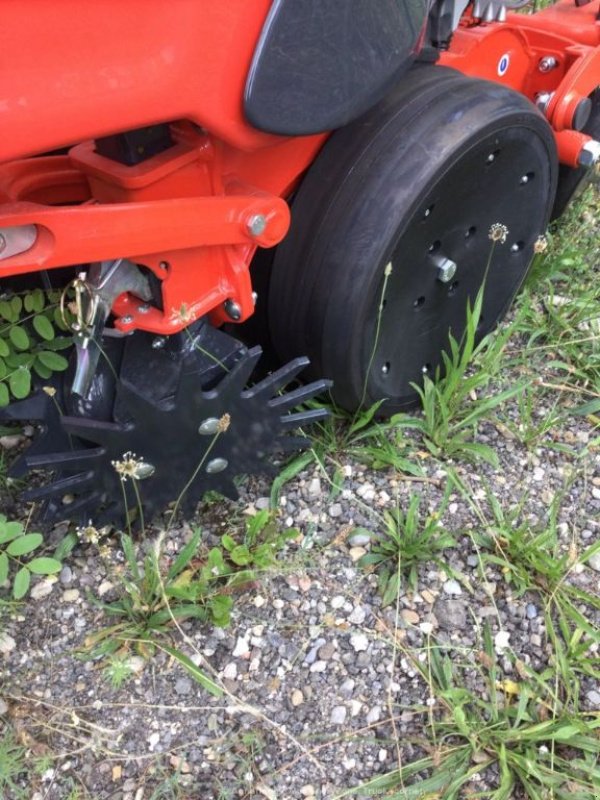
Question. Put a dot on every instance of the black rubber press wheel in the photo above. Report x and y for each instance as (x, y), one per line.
(411, 189)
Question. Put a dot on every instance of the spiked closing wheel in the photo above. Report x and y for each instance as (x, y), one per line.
(174, 433)
(389, 238)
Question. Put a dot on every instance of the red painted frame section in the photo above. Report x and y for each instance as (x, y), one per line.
(114, 65)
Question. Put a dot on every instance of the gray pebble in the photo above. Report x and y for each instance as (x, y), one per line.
(358, 615)
(183, 686)
(347, 688)
(66, 576)
(594, 562)
(326, 651)
(451, 614)
(594, 697)
(472, 561)
(314, 487)
(531, 611)
(335, 510)
(359, 539)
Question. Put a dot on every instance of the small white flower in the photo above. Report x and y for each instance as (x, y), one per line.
(498, 232)
(88, 535)
(431, 701)
(130, 466)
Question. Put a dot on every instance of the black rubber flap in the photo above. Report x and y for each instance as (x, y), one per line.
(321, 63)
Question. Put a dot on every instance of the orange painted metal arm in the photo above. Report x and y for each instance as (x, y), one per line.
(82, 234)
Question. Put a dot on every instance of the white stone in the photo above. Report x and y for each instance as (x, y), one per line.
(338, 715)
(230, 671)
(297, 698)
(7, 643)
(594, 562)
(359, 642)
(501, 641)
(104, 587)
(452, 587)
(241, 649)
(355, 707)
(338, 601)
(42, 589)
(314, 487)
(153, 740)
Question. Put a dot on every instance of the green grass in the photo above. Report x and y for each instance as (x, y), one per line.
(533, 381)
(526, 735)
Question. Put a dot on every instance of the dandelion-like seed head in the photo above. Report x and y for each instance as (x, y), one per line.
(498, 232)
(540, 245)
(49, 390)
(431, 701)
(129, 466)
(388, 270)
(105, 551)
(88, 534)
(223, 423)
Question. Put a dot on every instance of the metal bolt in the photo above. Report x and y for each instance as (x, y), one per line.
(524, 179)
(2, 242)
(257, 224)
(424, 369)
(515, 247)
(385, 369)
(446, 268)
(127, 319)
(209, 427)
(163, 265)
(589, 154)
(547, 64)
(144, 308)
(158, 343)
(232, 309)
(144, 470)
(542, 100)
(217, 465)
(491, 158)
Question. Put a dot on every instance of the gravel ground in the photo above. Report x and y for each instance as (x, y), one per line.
(315, 667)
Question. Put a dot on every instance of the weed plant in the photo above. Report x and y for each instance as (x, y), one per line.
(17, 562)
(522, 738)
(197, 584)
(405, 542)
(13, 764)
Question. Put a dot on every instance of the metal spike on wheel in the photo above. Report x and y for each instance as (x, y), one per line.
(197, 438)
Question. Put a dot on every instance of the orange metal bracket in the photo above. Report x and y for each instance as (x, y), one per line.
(511, 53)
